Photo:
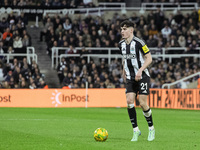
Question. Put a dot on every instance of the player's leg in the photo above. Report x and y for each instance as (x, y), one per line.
(130, 97)
(148, 115)
(146, 110)
(131, 90)
(143, 93)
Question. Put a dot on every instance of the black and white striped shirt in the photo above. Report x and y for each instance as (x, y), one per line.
(133, 54)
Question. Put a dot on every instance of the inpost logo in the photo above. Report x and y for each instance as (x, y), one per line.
(5, 98)
(58, 98)
(55, 98)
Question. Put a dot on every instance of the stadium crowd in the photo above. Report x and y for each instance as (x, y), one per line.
(170, 1)
(54, 3)
(179, 30)
(175, 30)
(48, 3)
(14, 38)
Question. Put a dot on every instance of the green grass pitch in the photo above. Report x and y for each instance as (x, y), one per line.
(73, 128)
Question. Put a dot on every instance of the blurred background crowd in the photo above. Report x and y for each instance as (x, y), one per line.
(157, 29)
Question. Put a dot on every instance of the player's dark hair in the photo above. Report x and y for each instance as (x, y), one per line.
(127, 23)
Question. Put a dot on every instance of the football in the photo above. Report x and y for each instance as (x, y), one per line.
(100, 134)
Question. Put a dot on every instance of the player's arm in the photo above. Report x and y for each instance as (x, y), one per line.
(147, 62)
(123, 71)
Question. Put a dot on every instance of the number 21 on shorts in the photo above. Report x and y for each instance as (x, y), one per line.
(143, 86)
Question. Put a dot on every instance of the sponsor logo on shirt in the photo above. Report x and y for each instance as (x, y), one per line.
(129, 56)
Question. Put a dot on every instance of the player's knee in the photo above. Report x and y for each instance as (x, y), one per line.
(129, 101)
(130, 98)
(143, 104)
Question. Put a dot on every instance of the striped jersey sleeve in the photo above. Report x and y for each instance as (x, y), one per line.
(143, 47)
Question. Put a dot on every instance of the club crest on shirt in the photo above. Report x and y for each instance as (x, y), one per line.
(132, 49)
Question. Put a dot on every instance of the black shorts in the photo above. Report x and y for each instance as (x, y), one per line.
(141, 86)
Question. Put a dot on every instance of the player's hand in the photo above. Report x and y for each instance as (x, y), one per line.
(138, 75)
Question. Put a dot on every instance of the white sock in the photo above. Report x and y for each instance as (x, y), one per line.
(151, 128)
(135, 129)
(147, 114)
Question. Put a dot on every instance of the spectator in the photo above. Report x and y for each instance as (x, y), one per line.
(21, 3)
(71, 50)
(68, 79)
(6, 85)
(56, 3)
(23, 18)
(181, 41)
(59, 30)
(152, 42)
(190, 23)
(17, 42)
(42, 84)
(193, 46)
(189, 41)
(25, 41)
(173, 41)
(3, 24)
(46, 3)
(195, 16)
(7, 37)
(11, 18)
(67, 25)
(192, 31)
(166, 32)
(10, 51)
(153, 31)
(47, 28)
(150, 16)
(14, 3)
(159, 18)
(88, 3)
(1, 48)
(178, 17)
(135, 18)
(8, 76)
(25, 33)
(83, 25)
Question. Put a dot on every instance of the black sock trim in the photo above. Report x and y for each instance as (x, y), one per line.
(147, 110)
